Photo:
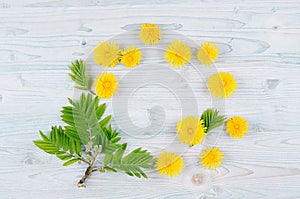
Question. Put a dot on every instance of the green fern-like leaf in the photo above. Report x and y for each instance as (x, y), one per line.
(212, 119)
(59, 144)
(84, 120)
(112, 135)
(78, 75)
(132, 164)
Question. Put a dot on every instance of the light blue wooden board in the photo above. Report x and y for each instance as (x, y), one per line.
(260, 46)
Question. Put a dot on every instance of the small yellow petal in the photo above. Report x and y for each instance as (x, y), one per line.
(237, 127)
(178, 54)
(150, 34)
(169, 163)
(106, 85)
(222, 84)
(211, 158)
(107, 54)
(191, 130)
(207, 53)
(131, 56)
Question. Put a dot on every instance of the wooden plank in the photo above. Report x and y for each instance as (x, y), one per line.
(258, 42)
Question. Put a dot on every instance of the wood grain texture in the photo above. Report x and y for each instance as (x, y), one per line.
(259, 44)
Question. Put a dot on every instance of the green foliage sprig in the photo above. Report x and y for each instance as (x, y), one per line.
(212, 119)
(59, 144)
(87, 134)
(78, 75)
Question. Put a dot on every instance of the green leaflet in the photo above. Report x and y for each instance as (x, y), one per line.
(78, 75)
(69, 162)
(132, 163)
(84, 120)
(111, 136)
(59, 144)
(212, 119)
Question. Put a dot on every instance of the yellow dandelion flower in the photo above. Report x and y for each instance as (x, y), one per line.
(207, 53)
(191, 130)
(131, 56)
(211, 158)
(106, 85)
(222, 84)
(150, 34)
(107, 54)
(169, 163)
(237, 127)
(178, 53)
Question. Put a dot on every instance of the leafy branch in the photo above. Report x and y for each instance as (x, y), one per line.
(212, 119)
(131, 164)
(84, 119)
(59, 144)
(79, 77)
(87, 134)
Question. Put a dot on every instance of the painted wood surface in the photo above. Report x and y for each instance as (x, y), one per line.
(259, 41)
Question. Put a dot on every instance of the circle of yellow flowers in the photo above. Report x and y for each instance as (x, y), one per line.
(191, 130)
